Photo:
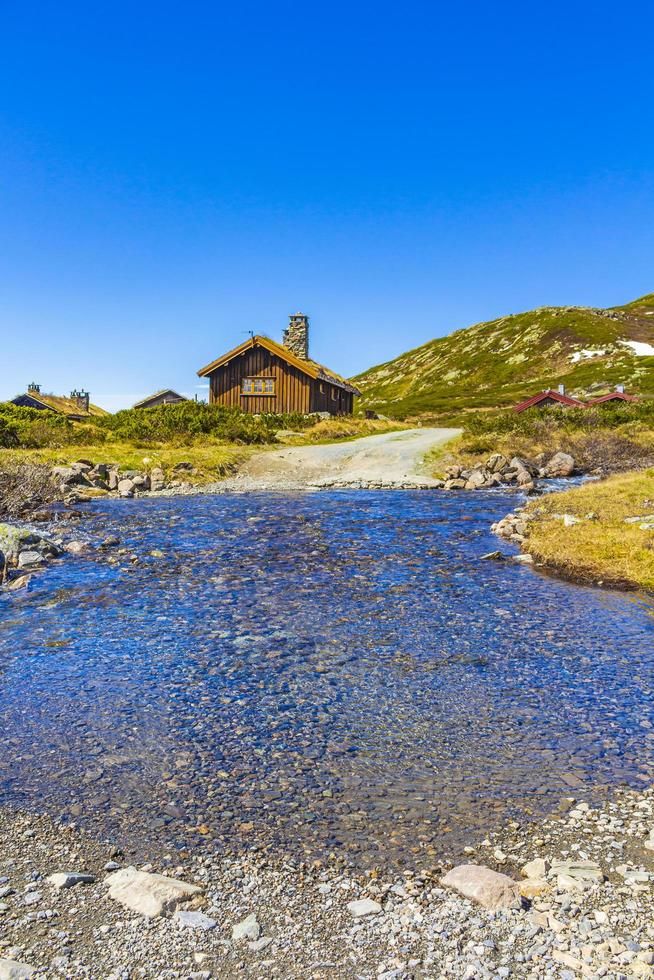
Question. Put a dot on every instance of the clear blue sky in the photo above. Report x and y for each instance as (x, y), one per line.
(173, 175)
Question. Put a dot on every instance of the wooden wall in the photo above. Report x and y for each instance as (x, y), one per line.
(294, 390)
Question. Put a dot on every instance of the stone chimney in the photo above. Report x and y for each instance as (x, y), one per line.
(34, 388)
(81, 399)
(296, 335)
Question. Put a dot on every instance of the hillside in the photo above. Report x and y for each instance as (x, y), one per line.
(500, 362)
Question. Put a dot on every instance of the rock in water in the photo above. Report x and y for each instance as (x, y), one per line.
(149, 894)
(12, 970)
(489, 888)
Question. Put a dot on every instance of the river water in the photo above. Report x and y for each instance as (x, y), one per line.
(316, 673)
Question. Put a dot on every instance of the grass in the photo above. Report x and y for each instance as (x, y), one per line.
(210, 462)
(500, 362)
(602, 548)
(212, 459)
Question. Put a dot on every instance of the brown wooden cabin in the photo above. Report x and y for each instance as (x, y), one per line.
(164, 397)
(261, 375)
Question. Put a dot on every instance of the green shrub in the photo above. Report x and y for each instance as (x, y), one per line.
(187, 421)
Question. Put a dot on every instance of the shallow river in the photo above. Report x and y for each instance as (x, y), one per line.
(315, 673)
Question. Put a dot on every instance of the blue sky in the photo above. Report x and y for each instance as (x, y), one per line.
(175, 175)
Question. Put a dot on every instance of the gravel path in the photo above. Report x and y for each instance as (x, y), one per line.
(392, 459)
(591, 916)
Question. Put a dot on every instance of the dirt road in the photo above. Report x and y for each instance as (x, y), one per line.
(392, 459)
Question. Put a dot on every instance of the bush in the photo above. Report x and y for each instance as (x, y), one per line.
(182, 423)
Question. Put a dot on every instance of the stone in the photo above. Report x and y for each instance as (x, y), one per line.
(569, 520)
(493, 556)
(533, 887)
(157, 479)
(194, 920)
(77, 547)
(68, 879)
(497, 463)
(537, 868)
(248, 928)
(560, 465)
(492, 889)
(13, 540)
(581, 873)
(149, 894)
(477, 478)
(13, 970)
(30, 559)
(125, 488)
(363, 906)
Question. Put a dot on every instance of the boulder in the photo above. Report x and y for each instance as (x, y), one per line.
(30, 559)
(157, 479)
(13, 970)
(477, 478)
(454, 484)
(125, 488)
(520, 463)
(489, 888)
(149, 894)
(113, 479)
(560, 465)
(497, 463)
(13, 540)
(141, 481)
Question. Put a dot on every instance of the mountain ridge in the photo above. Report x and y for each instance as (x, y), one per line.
(499, 362)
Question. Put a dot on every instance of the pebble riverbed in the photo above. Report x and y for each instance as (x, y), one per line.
(315, 674)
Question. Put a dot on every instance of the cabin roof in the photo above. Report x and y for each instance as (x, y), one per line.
(545, 395)
(308, 367)
(61, 405)
(158, 394)
(614, 396)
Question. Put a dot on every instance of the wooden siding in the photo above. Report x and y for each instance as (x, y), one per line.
(294, 390)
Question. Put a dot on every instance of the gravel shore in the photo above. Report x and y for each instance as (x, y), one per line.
(589, 915)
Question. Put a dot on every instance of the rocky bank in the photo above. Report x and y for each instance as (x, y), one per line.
(569, 897)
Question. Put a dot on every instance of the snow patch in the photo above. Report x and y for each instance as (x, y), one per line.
(582, 355)
(639, 348)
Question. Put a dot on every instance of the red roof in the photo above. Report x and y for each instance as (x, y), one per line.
(614, 396)
(551, 396)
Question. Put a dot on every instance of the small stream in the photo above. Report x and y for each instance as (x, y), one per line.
(313, 673)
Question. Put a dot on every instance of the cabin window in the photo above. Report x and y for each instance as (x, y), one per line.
(258, 386)
(322, 389)
(334, 394)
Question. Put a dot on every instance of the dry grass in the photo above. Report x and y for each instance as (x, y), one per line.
(337, 429)
(210, 461)
(602, 549)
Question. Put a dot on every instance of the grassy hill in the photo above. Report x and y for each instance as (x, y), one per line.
(498, 363)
